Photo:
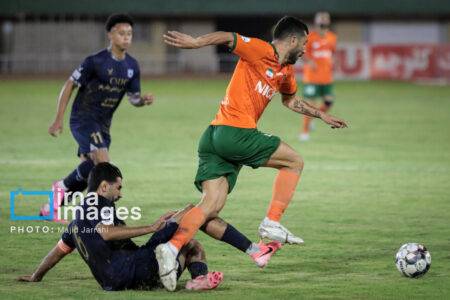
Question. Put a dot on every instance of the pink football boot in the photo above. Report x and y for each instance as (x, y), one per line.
(205, 282)
(58, 198)
(262, 258)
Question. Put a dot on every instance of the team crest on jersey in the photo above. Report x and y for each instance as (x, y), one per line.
(245, 39)
(77, 73)
(130, 73)
(110, 71)
(269, 73)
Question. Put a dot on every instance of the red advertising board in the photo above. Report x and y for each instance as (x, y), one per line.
(399, 62)
(442, 62)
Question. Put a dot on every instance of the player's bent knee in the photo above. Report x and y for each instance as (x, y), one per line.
(193, 244)
(195, 248)
(297, 163)
(100, 155)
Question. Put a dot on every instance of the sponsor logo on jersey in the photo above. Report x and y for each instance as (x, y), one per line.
(130, 73)
(269, 73)
(265, 90)
(322, 54)
(245, 39)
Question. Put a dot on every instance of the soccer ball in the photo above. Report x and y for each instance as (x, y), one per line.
(413, 260)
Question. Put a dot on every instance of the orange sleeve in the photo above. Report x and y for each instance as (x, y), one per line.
(334, 42)
(289, 85)
(250, 49)
(64, 247)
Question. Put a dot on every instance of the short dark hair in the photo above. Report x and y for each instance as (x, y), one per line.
(288, 26)
(100, 172)
(118, 18)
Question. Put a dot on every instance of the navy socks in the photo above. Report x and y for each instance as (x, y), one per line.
(77, 180)
(197, 268)
(236, 239)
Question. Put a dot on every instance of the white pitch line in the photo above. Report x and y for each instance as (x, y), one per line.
(193, 163)
(34, 162)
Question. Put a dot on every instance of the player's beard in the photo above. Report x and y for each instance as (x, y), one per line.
(293, 56)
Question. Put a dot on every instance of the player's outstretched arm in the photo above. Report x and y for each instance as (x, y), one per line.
(298, 105)
(185, 41)
(64, 97)
(114, 233)
(49, 261)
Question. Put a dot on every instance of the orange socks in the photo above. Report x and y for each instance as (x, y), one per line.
(283, 191)
(188, 227)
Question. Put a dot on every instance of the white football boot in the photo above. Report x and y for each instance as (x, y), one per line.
(275, 231)
(168, 266)
(304, 137)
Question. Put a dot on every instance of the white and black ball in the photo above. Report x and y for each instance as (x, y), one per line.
(413, 260)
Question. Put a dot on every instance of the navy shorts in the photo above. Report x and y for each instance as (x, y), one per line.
(146, 275)
(90, 136)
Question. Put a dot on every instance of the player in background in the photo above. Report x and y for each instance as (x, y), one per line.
(318, 71)
(105, 244)
(103, 79)
(232, 139)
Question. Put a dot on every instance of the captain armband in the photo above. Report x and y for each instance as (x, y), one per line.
(64, 247)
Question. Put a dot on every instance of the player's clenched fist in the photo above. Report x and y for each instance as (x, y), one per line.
(56, 125)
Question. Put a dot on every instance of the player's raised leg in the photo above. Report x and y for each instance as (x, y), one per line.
(290, 165)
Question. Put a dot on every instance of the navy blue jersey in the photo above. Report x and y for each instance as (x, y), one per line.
(113, 263)
(103, 80)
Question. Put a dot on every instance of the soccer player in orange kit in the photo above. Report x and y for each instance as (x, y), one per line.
(232, 139)
(318, 77)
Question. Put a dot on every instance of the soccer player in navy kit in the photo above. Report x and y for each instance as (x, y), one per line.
(103, 79)
(104, 242)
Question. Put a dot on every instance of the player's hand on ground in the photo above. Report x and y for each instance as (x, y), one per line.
(27, 278)
(163, 220)
(147, 99)
(56, 125)
(334, 122)
(180, 40)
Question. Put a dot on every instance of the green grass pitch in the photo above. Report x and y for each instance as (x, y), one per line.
(364, 192)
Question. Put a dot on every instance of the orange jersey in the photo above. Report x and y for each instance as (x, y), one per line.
(320, 50)
(257, 77)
